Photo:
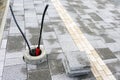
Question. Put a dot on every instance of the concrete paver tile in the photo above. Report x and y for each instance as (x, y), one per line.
(15, 72)
(39, 75)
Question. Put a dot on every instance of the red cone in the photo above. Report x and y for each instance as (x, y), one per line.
(38, 51)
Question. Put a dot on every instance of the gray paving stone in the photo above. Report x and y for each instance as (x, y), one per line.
(38, 2)
(33, 39)
(31, 67)
(87, 29)
(29, 6)
(56, 67)
(52, 13)
(48, 27)
(12, 23)
(54, 56)
(51, 43)
(5, 34)
(31, 25)
(19, 13)
(117, 29)
(107, 39)
(114, 47)
(31, 19)
(32, 31)
(49, 35)
(98, 44)
(117, 54)
(113, 34)
(15, 72)
(39, 75)
(29, 14)
(14, 54)
(39, 9)
(43, 65)
(2, 54)
(114, 67)
(92, 37)
(68, 46)
(54, 50)
(117, 75)
(65, 37)
(39, 17)
(64, 77)
(19, 17)
(105, 53)
(60, 30)
(7, 24)
(1, 65)
(95, 17)
(1, 71)
(4, 43)
(28, 2)
(14, 29)
(14, 61)
(15, 43)
(18, 8)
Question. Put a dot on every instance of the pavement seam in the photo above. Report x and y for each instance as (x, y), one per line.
(99, 68)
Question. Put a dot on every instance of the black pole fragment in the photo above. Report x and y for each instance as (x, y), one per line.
(42, 25)
(20, 29)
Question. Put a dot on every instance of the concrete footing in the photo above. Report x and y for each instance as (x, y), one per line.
(76, 63)
(35, 59)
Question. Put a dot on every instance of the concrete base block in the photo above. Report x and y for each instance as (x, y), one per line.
(75, 67)
(35, 59)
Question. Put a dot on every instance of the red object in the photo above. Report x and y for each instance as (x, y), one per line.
(37, 51)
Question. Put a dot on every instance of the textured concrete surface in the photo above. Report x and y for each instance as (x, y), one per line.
(98, 20)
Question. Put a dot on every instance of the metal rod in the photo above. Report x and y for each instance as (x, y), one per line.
(20, 28)
(42, 25)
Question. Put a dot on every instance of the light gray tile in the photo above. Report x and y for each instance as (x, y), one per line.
(14, 61)
(1, 72)
(65, 37)
(2, 54)
(105, 53)
(15, 43)
(56, 67)
(51, 43)
(39, 75)
(54, 50)
(31, 67)
(114, 47)
(31, 25)
(15, 54)
(95, 17)
(62, 77)
(5, 34)
(49, 35)
(54, 56)
(15, 72)
(68, 46)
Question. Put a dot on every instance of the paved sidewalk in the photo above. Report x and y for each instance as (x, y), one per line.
(98, 21)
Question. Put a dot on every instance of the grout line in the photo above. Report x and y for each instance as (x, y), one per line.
(99, 68)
